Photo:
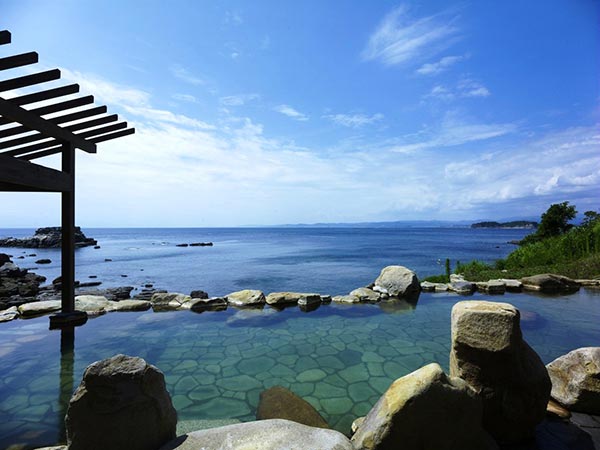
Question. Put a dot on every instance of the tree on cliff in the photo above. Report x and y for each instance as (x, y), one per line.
(554, 222)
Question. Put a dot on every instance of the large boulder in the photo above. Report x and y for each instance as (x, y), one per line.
(397, 281)
(489, 353)
(549, 283)
(278, 402)
(576, 380)
(121, 404)
(274, 434)
(247, 297)
(425, 410)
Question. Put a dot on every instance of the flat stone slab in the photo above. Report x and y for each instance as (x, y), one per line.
(274, 434)
(38, 308)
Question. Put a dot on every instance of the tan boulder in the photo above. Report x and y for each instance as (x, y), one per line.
(170, 301)
(366, 295)
(425, 410)
(278, 402)
(576, 380)
(247, 297)
(548, 282)
(489, 353)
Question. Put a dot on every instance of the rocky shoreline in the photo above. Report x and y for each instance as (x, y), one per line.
(47, 237)
(22, 296)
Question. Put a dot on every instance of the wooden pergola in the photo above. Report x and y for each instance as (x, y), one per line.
(25, 135)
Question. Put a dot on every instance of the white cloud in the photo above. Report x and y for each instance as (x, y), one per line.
(183, 74)
(184, 98)
(439, 66)
(453, 132)
(287, 110)
(399, 39)
(354, 120)
(238, 100)
(233, 18)
(465, 88)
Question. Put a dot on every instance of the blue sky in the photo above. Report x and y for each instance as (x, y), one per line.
(286, 112)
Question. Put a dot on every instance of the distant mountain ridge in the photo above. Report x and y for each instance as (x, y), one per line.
(403, 224)
(513, 224)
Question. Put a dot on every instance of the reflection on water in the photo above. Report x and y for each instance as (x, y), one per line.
(340, 358)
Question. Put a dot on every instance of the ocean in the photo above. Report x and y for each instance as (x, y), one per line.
(324, 260)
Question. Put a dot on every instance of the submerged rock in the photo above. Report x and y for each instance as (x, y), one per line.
(576, 380)
(489, 353)
(397, 281)
(274, 434)
(121, 403)
(550, 283)
(281, 403)
(425, 410)
(247, 297)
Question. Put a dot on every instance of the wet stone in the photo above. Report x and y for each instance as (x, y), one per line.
(326, 390)
(311, 375)
(239, 383)
(360, 391)
(355, 373)
(219, 408)
(256, 365)
(202, 393)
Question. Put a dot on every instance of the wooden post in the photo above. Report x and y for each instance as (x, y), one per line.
(68, 232)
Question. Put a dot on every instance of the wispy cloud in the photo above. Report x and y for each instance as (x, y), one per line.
(184, 98)
(439, 66)
(400, 39)
(238, 100)
(354, 120)
(233, 18)
(183, 74)
(287, 110)
(465, 88)
(453, 132)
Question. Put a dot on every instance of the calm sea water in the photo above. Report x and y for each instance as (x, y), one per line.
(340, 358)
(326, 260)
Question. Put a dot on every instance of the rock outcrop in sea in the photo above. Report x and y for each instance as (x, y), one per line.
(48, 237)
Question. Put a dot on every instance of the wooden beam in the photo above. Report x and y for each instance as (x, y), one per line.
(34, 176)
(31, 148)
(29, 80)
(24, 59)
(4, 37)
(45, 95)
(55, 147)
(10, 187)
(56, 107)
(56, 120)
(115, 135)
(47, 127)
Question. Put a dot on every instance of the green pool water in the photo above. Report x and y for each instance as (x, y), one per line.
(340, 358)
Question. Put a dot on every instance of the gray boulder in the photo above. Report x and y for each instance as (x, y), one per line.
(397, 281)
(128, 305)
(549, 283)
(494, 287)
(170, 301)
(121, 404)
(489, 353)
(247, 297)
(425, 410)
(208, 304)
(281, 403)
(462, 287)
(274, 434)
(576, 380)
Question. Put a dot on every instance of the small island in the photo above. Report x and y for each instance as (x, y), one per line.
(48, 237)
(524, 224)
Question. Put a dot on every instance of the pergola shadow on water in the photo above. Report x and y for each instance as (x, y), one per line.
(25, 136)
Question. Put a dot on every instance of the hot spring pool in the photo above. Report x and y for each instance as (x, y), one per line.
(340, 358)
